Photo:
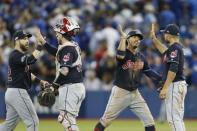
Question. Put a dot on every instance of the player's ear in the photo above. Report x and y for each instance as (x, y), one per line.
(16, 42)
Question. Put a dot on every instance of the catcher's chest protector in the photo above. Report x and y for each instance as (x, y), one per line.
(68, 55)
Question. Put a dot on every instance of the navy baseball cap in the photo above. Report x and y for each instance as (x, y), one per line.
(171, 29)
(20, 34)
(135, 33)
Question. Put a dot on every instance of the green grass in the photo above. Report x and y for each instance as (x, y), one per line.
(117, 125)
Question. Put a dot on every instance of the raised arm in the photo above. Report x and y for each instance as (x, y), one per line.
(162, 48)
(121, 51)
(37, 51)
(51, 49)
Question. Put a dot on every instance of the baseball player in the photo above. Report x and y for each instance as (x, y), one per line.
(68, 72)
(175, 87)
(130, 66)
(18, 103)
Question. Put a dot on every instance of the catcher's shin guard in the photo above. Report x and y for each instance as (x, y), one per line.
(68, 121)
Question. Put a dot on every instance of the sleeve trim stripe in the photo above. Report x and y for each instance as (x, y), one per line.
(173, 62)
(147, 70)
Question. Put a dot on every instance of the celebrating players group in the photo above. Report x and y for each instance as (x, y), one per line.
(68, 83)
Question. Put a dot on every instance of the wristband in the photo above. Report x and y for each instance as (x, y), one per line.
(39, 47)
(55, 85)
(123, 37)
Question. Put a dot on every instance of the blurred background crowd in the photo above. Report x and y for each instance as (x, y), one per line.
(99, 37)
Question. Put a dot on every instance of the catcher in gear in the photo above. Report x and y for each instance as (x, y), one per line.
(68, 71)
(131, 64)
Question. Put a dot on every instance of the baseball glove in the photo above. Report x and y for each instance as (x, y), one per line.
(54, 87)
(46, 97)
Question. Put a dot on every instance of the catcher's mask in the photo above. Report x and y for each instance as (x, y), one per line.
(67, 26)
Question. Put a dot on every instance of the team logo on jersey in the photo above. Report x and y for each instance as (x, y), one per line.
(173, 54)
(66, 57)
(137, 65)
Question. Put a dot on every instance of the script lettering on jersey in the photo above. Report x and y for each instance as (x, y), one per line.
(137, 65)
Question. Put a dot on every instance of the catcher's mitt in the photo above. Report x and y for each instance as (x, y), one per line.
(54, 87)
(46, 97)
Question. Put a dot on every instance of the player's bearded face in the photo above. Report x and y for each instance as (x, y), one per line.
(133, 42)
(24, 44)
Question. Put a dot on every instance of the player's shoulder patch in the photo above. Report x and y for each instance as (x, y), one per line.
(174, 53)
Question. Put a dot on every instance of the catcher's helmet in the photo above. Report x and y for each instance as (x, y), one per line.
(135, 33)
(66, 25)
